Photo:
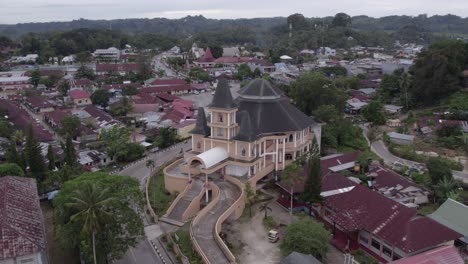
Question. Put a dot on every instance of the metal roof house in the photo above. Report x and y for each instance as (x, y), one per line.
(453, 215)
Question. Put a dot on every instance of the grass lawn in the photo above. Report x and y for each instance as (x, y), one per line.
(160, 199)
(186, 246)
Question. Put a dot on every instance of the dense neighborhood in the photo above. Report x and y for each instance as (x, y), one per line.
(220, 152)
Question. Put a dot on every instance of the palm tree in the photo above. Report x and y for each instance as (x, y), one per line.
(250, 196)
(291, 175)
(150, 164)
(446, 188)
(264, 207)
(92, 203)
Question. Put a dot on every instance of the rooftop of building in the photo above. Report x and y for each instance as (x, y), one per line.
(21, 223)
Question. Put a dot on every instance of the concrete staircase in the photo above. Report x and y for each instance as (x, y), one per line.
(175, 216)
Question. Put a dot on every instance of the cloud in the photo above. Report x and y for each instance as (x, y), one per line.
(20, 11)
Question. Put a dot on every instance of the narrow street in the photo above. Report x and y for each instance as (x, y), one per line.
(144, 252)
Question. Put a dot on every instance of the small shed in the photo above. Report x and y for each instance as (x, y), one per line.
(401, 139)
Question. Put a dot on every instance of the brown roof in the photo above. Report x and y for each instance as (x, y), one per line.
(364, 209)
(167, 82)
(21, 222)
(124, 67)
(166, 89)
(38, 102)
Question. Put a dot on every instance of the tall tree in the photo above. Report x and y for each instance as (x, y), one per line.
(70, 126)
(250, 196)
(217, 51)
(438, 170)
(306, 236)
(35, 77)
(115, 141)
(51, 158)
(265, 208)
(291, 176)
(446, 188)
(92, 205)
(34, 158)
(64, 87)
(374, 112)
(70, 153)
(117, 234)
(341, 20)
(313, 183)
(101, 97)
(150, 164)
(436, 72)
(312, 90)
(121, 108)
(167, 137)
(85, 72)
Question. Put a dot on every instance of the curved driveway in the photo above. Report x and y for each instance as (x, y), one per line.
(204, 230)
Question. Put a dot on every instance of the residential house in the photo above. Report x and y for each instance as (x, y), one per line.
(183, 128)
(92, 159)
(21, 120)
(168, 89)
(396, 187)
(392, 109)
(384, 228)
(14, 84)
(263, 66)
(80, 97)
(400, 139)
(120, 68)
(453, 215)
(439, 255)
(22, 232)
(81, 84)
(107, 54)
(394, 123)
(38, 104)
(207, 61)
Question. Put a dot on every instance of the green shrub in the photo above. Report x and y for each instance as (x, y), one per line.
(269, 222)
(363, 258)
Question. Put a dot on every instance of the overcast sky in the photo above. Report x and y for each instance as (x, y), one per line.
(20, 11)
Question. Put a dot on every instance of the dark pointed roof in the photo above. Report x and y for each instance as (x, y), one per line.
(270, 111)
(223, 97)
(201, 127)
(247, 131)
(260, 89)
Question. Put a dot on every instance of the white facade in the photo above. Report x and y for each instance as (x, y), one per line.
(110, 53)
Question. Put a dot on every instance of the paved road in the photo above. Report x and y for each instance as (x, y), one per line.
(381, 150)
(159, 64)
(204, 230)
(143, 253)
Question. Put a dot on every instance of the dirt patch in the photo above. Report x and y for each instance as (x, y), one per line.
(249, 238)
(55, 252)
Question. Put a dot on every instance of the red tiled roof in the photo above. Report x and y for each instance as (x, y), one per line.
(81, 82)
(183, 103)
(145, 98)
(167, 97)
(21, 222)
(21, 120)
(364, 209)
(208, 57)
(165, 89)
(444, 254)
(168, 82)
(78, 94)
(98, 114)
(386, 178)
(57, 116)
(124, 67)
(38, 102)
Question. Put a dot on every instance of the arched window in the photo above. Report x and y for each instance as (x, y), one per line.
(220, 117)
(291, 138)
(243, 152)
(198, 145)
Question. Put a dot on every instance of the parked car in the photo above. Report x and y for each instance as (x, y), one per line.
(273, 236)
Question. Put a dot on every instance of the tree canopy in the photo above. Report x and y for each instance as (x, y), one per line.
(306, 236)
(118, 233)
(101, 97)
(437, 70)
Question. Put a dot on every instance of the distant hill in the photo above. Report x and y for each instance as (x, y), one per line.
(448, 24)
(180, 27)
